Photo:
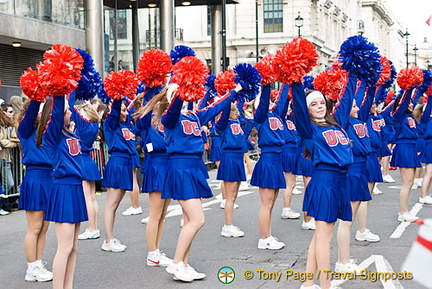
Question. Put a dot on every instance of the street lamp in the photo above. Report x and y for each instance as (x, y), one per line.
(415, 53)
(298, 22)
(406, 34)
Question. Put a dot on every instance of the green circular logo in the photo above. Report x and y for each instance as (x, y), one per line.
(226, 275)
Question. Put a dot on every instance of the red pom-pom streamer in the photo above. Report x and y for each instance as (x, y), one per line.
(224, 81)
(30, 85)
(61, 70)
(409, 77)
(331, 81)
(153, 67)
(389, 97)
(429, 91)
(385, 72)
(295, 60)
(273, 94)
(190, 73)
(121, 83)
(265, 68)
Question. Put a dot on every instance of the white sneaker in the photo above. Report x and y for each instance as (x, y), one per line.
(248, 177)
(296, 191)
(376, 191)
(231, 231)
(132, 211)
(158, 259)
(145, 220)
(406, 217)
(426, 200)
(270, 243)
(288, 213)
(308, 225)
(367, 235)
(38, 273)
(243, 186)
(113, 245)
(195, 275)
(89, 235)
(347, 267)
(179, 271)
(388, 179)
(222, 204)
(418, 182)
(414, 186)
(181, 223)
(4, 213)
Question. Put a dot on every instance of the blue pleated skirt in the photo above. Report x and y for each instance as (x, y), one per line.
(289, 157)
(186, 178)
(154, 170)
(36, 188)
(66, 202)
(405, 156)
(136, 163)
(303, 166)
(215, 149)
(426, 155)
(249, 145)
(90, 170)
(357, 183)
(326, 198)
(385, 151)
(118, 173)
(373, 171)
(231, 167)
(268, 171)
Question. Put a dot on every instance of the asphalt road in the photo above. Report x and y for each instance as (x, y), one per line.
(210, 252)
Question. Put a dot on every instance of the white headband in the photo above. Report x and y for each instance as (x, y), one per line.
(170, 93)
(312, 96)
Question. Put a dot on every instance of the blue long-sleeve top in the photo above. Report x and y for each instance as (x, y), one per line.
(150, 135)
(405, 125)
(329, 145)
(375, 124)
(231, 132)
(85, 130)
(32, 155)
(425, 121)
(290, 132)
(183, 131)
(269, 123)
(120, 137)
(62, 147)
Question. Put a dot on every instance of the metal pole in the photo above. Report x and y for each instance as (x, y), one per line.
(216, 38)
(299, 31)
(94, 35)
(406, 35)
(224, 62)
(166, 11)
(256, 31)
(135, 35)
(115, 38)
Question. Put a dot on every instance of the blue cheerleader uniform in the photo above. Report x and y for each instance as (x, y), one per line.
(37, 183)
(405, 152)
(66, 203)
(186, 177)
(216, 142)
(121, 142)
(426, 124)
(155, 164)
(326, 197)
(231, 168)
(268, 171)
(86, 131)
(303, 166)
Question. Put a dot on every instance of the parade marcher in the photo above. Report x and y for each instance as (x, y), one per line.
(425, 155)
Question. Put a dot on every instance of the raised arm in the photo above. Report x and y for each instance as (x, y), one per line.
(53, 132)
(300, 111)
(343, 107)
(366, 105)
(209, 112)
(261, 112)
(281, 107)
(427, 112)
(400, 112)
(222, 123)
(26, 126)
(172, 113)
(113, 118)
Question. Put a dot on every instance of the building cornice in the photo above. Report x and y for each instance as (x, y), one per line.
(378, 8)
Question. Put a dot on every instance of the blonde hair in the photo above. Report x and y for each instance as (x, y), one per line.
(160, 101)
(91, 113)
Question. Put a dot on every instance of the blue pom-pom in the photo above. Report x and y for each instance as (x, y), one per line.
(102, 95)
(427, 80)
(179, 52)
(152, 91)
(140, 88)
(209, 85)
(308, 82)
(90, 81)
(381, 95)
(361, 57)
(250, 80)
(392, 78)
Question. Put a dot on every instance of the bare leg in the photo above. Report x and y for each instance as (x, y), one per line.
(248, 163)
(114, 196)
(268, 198)
(134, 194)
(34, 241)
(407, 175)
(426, 184)
(154, 228)
(290, 181)
(89, 188)
(344, 236)
(231, 191)
(306, 181)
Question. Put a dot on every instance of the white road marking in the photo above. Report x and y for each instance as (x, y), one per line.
(397, 233)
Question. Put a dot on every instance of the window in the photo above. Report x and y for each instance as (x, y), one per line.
(121, 24)
(273, 16)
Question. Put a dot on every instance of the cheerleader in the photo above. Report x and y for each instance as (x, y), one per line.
(119, 174)
(34, 192)
(86, 121)
(425, 155)
(185, 180)
(326, 198)
(154, 169)
(231, 169)
(66, 204)
(270, 140)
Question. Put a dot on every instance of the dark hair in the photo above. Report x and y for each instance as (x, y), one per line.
(45, 116)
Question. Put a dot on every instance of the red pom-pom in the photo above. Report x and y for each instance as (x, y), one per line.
(331, 81)
(273, 94)
(153, 67)
(295, 60)
(61, 70)
(190, 73)
(224, 81)
(409, 77)
(385, 71)
(121, 83)
(389, 97)
(429, 91)
(30, 85)
(265, 68)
